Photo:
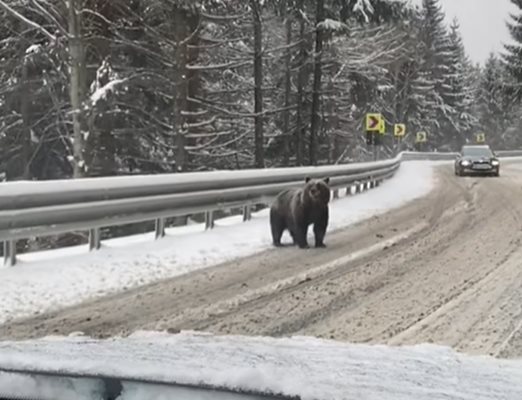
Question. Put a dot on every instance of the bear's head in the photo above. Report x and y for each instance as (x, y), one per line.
(317, 190)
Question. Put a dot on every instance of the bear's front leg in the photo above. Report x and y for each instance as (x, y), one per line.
(300, 236)
(320, 229)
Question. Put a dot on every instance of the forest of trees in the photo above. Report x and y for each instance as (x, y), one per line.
(110, 87)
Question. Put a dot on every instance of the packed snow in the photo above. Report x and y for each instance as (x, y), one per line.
(101, 92)
(307, 367)
(48, 280)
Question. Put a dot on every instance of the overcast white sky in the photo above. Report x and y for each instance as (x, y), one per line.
(482, 22)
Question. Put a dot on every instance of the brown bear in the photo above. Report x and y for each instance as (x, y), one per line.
(296, 209)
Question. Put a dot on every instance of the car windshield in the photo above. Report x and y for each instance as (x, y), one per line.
(476, 152)
(290, 199)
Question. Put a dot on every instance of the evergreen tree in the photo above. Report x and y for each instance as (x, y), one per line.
(513, 56)
(494, 104)
(435, 72)
(460, 95)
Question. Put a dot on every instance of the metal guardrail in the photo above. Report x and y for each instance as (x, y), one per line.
(509, 153)
(31, 209)
(420, 156)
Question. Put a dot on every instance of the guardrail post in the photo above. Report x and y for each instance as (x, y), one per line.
(94, 239)
(209, 220)
(10, 253)
(159, 225)
(336, 194)
(247, 213)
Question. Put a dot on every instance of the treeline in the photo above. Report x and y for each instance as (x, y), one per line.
(100, 88)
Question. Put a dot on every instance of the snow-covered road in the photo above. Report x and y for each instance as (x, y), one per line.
(50, 280)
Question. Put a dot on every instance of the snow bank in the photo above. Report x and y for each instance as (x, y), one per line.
(43, 281)
(300, 366)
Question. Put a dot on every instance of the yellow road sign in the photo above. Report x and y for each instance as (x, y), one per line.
(399, 130)
(481, 137)
(382, 126)
(374, 122)
(422, 137)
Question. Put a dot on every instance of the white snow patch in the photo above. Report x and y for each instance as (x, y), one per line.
(299, 366)
(331, 25)
(364, 7)
(101, 92)
(48, 280)
(34, 48)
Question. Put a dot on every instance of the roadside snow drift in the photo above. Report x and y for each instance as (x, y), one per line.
(45, 281)
(306, 367)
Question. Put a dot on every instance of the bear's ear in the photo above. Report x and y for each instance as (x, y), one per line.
(308, 179)
(327, 180)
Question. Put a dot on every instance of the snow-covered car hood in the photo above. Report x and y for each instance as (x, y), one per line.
(308, 368)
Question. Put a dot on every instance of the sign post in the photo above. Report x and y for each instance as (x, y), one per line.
(399, 131)
(480, 137)
(420, 139)
(375, 129)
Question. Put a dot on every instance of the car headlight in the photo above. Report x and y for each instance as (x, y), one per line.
(495, 163)
(465, 163)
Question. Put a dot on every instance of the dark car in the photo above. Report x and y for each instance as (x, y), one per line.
(477, 160)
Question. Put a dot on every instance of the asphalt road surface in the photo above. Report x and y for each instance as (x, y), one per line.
(444, 269)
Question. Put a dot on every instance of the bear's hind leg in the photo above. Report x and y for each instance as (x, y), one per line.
(277, 225)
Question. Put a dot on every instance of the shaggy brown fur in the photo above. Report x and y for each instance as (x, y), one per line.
(296, 209)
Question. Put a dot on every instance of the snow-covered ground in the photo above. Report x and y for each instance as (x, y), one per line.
(44, 281)
(311, 368)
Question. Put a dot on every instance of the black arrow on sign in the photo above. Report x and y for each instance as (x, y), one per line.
(374, 122)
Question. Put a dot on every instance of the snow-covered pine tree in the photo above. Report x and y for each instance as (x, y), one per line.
(493, 102)
(459, 96)
(513, 56)
(512, 83)
(435, 70)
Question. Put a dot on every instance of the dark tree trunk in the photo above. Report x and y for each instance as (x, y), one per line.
(258, 84)
(314, 126)
(299, 138)
(180, 27)
(186, 23)
(77, 84)
(25, 97)
(288, 77)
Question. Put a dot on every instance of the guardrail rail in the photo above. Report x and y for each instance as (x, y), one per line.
(32, 209)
